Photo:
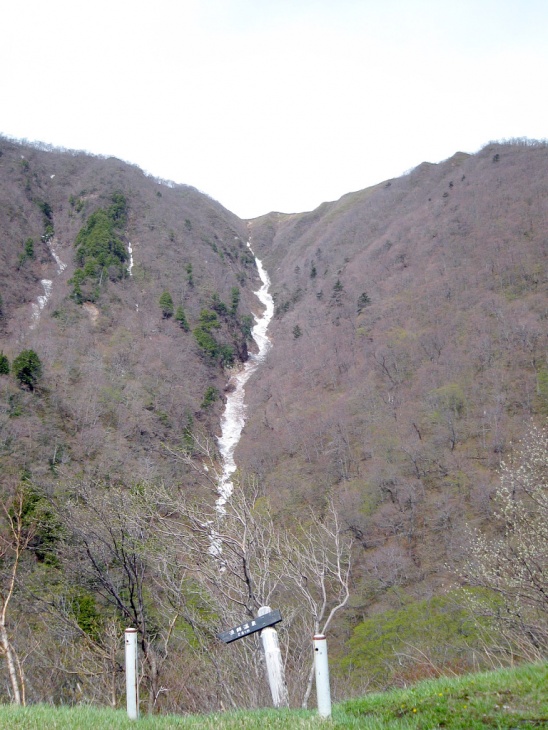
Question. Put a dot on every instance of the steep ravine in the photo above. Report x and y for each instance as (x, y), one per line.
(47, 285)
(233, 418)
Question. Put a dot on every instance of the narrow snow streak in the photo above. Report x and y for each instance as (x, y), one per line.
(130, 265)
(233, 418)
(48, 286)
(61, 266)
(42, 301)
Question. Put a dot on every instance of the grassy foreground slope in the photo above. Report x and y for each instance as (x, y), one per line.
(508, 698)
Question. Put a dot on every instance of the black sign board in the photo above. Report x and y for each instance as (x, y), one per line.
(250, 627)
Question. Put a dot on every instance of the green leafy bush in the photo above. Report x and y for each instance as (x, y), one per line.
(246, 326)
(219, 306)
(28, 251)
(437, 631)
(210, 396)
(213, 350)
(207, 343)
(86, 615)
(38, 517)
(226, 355)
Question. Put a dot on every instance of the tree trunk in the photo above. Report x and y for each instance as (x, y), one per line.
(7, 650)
(308, 690)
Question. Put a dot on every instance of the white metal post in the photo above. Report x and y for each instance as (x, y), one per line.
(274, 664)
(132, 674)
(321, 668)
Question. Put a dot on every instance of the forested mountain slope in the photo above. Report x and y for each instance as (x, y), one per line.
(121, 377)
(409, 353)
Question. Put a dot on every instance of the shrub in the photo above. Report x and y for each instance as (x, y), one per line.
(86, 615)
(28, 251)
(210, 396)
(363, 301)
(206, 342)
(246, 326)
(391, 645)
(218, 306)
(226, 355)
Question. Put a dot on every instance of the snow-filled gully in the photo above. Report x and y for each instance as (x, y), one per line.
(47, 285)
(233, 418)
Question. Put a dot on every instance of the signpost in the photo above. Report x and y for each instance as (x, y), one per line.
(251, 626)
(321, 669)
(273, 657)
(132, 674)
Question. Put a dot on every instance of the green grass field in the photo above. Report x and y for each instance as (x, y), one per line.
(505, 700)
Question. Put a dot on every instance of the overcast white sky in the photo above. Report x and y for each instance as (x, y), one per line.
(274, 104)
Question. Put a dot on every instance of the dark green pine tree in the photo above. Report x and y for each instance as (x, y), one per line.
(4, 364)
(27, 368)
(166, 305)
(234, 300)
(180, 318)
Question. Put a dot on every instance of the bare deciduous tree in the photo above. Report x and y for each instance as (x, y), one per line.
(237, 559)
(108, 538)
(13, 543)
(318, 559)
(513, 564)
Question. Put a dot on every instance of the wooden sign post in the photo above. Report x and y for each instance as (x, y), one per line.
(274, 664)
(273, 657)
(269, 618)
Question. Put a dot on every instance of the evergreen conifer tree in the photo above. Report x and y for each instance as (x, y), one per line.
(166, 305)
(4, 364)
(27, 368)
(180, 318)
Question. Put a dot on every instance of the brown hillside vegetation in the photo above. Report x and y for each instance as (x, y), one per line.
(409, 353)
(409, 356)
(119, 379)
